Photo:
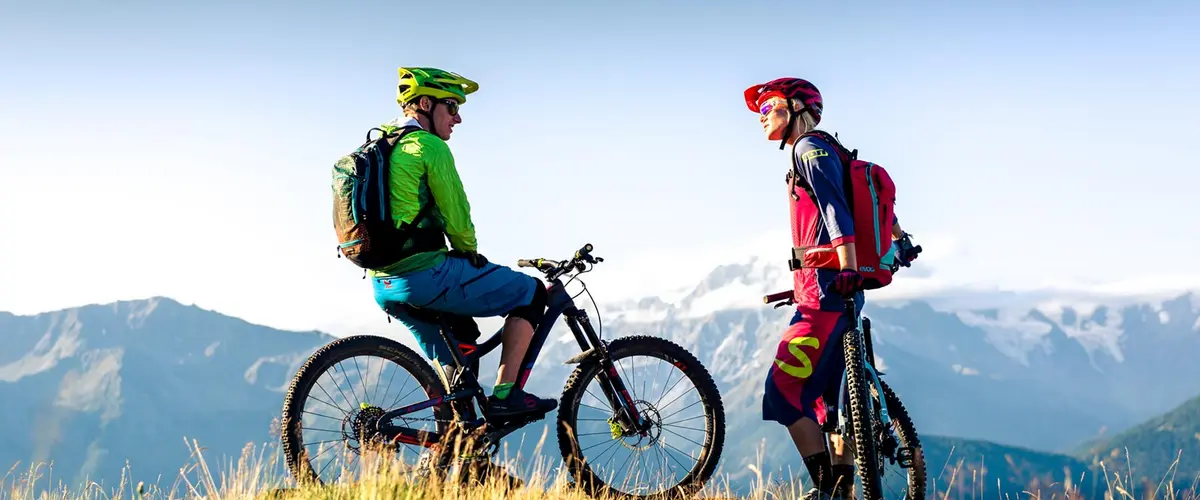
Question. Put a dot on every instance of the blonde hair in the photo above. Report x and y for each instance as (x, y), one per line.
(805, 124)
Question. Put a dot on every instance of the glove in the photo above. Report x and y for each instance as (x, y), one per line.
(905, 251)
(846, 282)
(474, 258)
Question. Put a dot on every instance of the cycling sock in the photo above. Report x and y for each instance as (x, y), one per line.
(501, 390)
(843, 476)
(820, 470)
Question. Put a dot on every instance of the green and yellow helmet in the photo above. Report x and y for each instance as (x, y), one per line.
(433, 82)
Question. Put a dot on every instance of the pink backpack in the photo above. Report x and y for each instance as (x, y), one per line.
(872, 200)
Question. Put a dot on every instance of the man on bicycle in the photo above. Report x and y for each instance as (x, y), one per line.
(432, 277)
(808, 360)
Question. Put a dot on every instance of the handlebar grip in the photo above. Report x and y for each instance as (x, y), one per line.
(525, 263)
(587, 249)
(778, 296)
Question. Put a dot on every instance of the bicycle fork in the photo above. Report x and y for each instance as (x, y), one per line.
(611, 384)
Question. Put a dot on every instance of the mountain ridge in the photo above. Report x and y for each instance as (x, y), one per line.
(124, 369)
(103, 379)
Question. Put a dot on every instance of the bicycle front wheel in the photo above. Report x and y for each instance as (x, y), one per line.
(681, 407)
(862, 416)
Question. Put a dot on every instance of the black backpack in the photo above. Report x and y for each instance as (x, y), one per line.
(362, 214)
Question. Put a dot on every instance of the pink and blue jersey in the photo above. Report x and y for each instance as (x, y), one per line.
(819, 227)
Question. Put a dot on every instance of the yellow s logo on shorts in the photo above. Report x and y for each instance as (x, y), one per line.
(806, 367)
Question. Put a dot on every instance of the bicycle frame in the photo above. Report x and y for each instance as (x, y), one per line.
(462, 383)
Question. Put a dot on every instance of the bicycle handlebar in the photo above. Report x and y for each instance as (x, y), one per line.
(787, 298)
(777, 296)
(554, 268)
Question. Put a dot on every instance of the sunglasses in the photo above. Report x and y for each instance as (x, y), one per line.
(768, 106)
(451, 106)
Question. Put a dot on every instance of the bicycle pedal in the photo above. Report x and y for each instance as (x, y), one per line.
(906, 457)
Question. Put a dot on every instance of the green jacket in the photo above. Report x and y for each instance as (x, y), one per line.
(422, 171)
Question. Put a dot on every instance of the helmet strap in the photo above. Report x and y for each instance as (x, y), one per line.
(787, 130)
(429, 115)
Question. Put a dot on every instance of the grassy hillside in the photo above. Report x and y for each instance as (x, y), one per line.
(997, 471)
(1170, 442)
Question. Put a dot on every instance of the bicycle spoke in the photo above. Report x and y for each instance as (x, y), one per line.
(319, 386)
(682, 427)
(684, 437)
(360, 377)
(677, 450)
(681, 409)
(339, 387)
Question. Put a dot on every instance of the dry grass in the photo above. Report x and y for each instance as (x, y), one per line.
(252, 476)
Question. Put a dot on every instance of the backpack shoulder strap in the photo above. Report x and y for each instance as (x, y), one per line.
(393, 137)
(846, 157)
(398, 134)
(796, 180)
(844, 154)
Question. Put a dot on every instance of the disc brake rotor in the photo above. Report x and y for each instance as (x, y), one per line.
(644, 439)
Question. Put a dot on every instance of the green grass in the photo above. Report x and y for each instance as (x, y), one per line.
(253, 476)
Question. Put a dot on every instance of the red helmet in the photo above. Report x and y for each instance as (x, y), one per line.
(787, 88)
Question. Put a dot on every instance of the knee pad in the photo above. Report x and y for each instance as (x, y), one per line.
(536, 308)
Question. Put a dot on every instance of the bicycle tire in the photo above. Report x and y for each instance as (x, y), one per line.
(861, 416)
(329, 355)
(906, 432)
(710, 396)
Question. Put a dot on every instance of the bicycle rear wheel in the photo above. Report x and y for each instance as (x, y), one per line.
(309, 398)
(580, 421)
(903, 450)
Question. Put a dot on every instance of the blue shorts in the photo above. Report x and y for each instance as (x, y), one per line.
(454, 286)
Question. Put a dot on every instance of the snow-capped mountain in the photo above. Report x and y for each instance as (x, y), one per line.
(1046, 371)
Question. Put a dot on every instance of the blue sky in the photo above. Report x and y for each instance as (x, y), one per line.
(183, 149)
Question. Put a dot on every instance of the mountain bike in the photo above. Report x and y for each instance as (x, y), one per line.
(453, 392)
(878, 431)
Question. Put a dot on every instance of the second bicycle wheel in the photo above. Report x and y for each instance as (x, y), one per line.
(676, 395)
(896, 445)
